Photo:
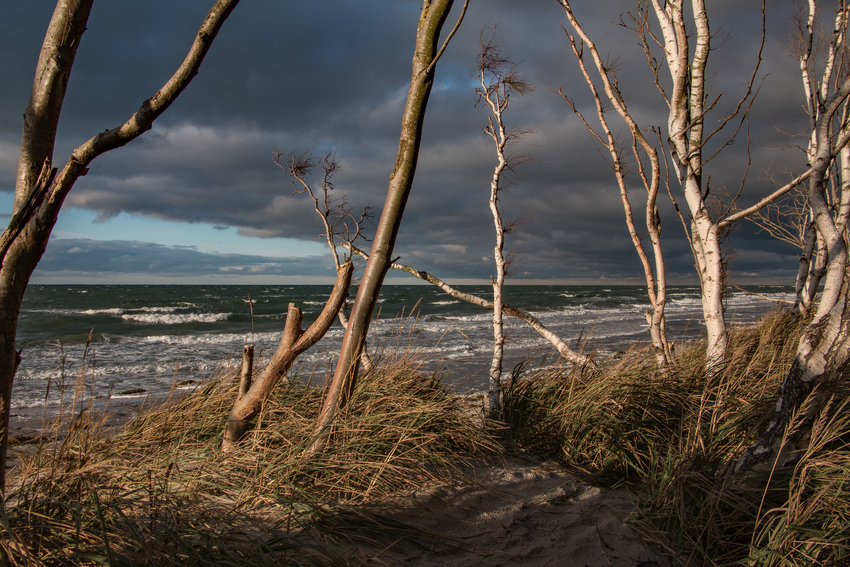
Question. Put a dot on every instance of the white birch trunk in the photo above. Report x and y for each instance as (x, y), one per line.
(655, 276)
(824, 348)
(685, 130)
(494, 90)
(495, 391)
(563, 348)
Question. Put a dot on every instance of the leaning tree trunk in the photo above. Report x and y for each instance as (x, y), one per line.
(821, 357)
(563, 348)
(433, 16)
(655, 276)
(824, 349)
(39, 133)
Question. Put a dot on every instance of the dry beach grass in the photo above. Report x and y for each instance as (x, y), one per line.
(594, 467)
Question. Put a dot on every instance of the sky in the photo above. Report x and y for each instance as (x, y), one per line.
(198, 198)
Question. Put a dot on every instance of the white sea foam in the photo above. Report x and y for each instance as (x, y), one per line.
(175, 318)
(172, 309)
(124, 360)
(685, 301)
(212, 338)
(111, 311)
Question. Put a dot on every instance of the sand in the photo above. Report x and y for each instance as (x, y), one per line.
(518, 512)
(522, 513)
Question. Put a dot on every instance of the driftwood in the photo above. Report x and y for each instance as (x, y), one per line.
(247, 370)
(293, 343)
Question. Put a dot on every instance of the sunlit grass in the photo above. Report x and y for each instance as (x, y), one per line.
(675, 436)
(160, 492)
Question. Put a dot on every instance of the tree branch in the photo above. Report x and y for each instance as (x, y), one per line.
(564, 349)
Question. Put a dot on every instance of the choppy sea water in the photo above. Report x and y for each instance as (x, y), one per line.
(132, 341)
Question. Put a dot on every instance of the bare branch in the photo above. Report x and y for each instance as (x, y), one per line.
(562, 347)
(337, 217)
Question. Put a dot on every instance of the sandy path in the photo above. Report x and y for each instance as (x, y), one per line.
(523, 514)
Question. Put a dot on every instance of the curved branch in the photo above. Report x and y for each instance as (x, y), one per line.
(142, 120)
(842, 143)
(292, 343)
(563, 349)
(448, 38)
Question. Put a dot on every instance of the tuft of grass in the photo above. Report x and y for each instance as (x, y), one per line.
(675, 436)
(159, 491)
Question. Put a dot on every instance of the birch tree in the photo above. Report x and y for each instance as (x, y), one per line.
(338, 220)
(815, 250)
(649, 169)
(562, 347)
(685, 44)
(426, 54)
(497, 80)
(346, 229)
(824, 349)
(40, 191)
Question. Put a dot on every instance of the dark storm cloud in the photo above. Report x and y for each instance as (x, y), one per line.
(99, 258)
(295, 76)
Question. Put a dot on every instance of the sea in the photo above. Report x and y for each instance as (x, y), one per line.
(130, 342)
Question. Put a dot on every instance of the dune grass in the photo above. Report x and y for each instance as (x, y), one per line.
(159, 491)
(675, 436)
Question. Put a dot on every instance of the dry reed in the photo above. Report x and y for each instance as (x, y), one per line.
(159, 491)
(675, 436)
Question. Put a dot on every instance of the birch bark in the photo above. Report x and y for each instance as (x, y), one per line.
(655, 273)
(497, 79)
(824, 349)
(563, 348)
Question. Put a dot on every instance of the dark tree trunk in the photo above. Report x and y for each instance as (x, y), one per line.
(433, 16)
(37, 141)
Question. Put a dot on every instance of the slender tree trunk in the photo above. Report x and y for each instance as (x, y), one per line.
(39, 132)
(433, 16)
(686, 133)
(824, 349)
(495, 393)
(817, 270)
(497, 79)
(802, 300)
(563, 348)
(41, 119)
(655, 276)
